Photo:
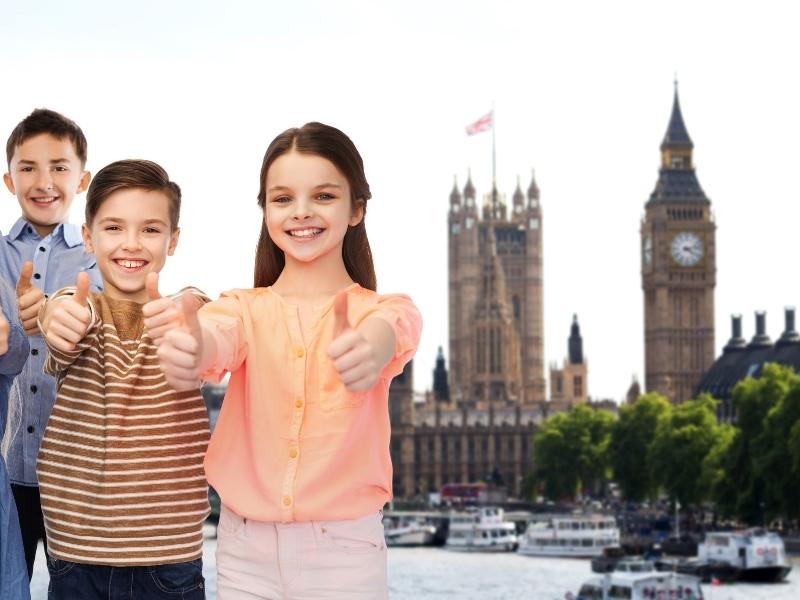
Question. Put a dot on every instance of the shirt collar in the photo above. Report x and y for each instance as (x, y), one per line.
(70, 233)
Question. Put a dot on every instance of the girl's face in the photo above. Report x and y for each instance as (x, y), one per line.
(308, 207)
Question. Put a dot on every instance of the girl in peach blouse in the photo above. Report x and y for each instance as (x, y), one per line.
(300, 453)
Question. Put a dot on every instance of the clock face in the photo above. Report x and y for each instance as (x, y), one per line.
(687, 249)
(647, 250)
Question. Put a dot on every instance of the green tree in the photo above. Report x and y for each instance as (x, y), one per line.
(680, 448)
(741, 494)
(631, 438)
(774, 462)
(570, 452)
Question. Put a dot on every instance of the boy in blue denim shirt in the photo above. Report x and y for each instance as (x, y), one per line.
(42, 253)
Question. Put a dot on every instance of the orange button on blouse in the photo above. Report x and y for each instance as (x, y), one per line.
(291, 443)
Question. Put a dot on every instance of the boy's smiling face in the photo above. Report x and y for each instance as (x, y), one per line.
(45, 173)
(130, 237)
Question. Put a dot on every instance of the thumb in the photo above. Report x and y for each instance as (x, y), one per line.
(24, 281)
(340, 321)
(151, 283)
(189, 307)
(82, 288)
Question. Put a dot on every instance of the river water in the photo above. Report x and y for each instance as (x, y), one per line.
(438, 574)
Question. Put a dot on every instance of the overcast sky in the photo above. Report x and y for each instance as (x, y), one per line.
(582, 90)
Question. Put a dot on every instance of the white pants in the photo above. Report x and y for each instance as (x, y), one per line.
(312, 560)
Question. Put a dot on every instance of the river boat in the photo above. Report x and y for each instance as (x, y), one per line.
(638, 580)
(408, 531)
(482, 529)
(578, 536)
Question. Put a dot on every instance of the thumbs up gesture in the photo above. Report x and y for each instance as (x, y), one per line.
(352, 355)
(181, 347)
(29, 299)
(67, 319)
(162, 314)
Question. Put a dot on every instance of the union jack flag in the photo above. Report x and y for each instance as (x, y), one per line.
(482, 124)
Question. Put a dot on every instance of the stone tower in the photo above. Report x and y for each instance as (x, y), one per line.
(496, 316)
(678, 271)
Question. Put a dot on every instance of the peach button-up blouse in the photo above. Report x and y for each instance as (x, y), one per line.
(291, 442)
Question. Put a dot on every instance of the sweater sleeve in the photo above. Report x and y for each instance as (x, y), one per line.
(406, 321)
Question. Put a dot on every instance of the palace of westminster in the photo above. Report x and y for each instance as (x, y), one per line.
(479, 419)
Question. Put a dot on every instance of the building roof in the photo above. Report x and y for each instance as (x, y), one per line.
(739, 361)
(677, 135)
(678, 185)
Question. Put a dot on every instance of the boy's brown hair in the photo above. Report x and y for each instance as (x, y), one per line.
(132, 174)
(43, 120)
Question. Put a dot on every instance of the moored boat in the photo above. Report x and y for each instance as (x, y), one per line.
(408, 531)
(481, 529)
(640, 583)
(579, 536)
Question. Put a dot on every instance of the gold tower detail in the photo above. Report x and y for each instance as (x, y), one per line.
(678, 271)
(495, 299)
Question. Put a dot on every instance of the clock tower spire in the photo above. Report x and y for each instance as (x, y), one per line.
(678, 270)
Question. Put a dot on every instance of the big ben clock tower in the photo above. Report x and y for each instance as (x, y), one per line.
(678, 271)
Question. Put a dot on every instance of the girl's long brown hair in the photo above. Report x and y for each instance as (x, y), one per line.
(330, 143)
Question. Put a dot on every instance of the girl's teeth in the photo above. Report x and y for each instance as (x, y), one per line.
(305, 232)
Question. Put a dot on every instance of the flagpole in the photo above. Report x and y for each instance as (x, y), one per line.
(494, 164)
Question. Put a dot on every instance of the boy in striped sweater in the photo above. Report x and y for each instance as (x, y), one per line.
(120, 468)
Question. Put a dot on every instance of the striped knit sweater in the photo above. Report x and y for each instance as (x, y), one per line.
(121, 462)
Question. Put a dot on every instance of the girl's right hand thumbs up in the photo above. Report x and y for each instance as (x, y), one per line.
(182, 347)
(67, 318)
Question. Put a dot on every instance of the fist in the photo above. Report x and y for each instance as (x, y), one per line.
(352, 355)
(163, 314)
(29, 300)
(181, 347)
(67, 320)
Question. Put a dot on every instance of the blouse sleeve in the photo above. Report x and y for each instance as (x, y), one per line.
(223, 320)
(405, 319)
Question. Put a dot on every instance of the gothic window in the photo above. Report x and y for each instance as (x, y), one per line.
(517, 308)
(480, 350)
(577, 385)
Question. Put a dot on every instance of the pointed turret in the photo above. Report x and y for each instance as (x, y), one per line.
(575, 342)
(677, 181)
(455, 195)
(677, 136)
(533, 190)
(441, 389)
(469, 189)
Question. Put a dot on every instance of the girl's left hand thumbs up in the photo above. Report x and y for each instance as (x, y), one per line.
(352, 355)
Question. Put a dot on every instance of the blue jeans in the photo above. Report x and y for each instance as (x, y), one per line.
(73, 581)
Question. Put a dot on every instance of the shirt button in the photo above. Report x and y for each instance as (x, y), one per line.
(37, 276)
(287, 501)
(30, 428)
(34, 388)
(34, 351)
(293, 453)
(42, 249)
(300, 353)
(298, 402)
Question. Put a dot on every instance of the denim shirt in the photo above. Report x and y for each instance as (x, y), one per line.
(13, 570)
(57, 260)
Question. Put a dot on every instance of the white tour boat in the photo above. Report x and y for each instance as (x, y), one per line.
(408, 531)
(757, 554)
(579, 536)
(638, 580)
(481, 529)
